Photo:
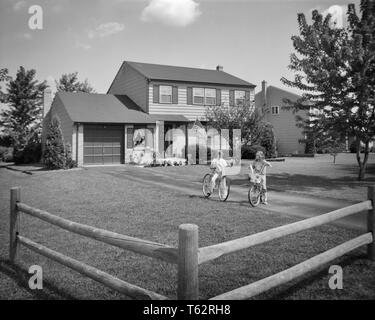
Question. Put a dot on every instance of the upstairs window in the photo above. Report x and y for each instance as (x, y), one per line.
(210, 96)
(204, 96)
(239, 97)
(165, 94)
(275, 110)
(198, 96)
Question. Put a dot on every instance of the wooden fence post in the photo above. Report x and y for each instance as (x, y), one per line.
(15, 196)
(371, 223)
(187, 287)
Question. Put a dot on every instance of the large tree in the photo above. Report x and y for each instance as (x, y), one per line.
(335, 68)
(250, 120)
(69, 83)
(22, 117)
(3, 78)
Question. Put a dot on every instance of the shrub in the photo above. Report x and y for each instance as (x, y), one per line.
(56, 154)
(5, 141)
(6, 154)
(30, 154)
(353, 147)
(248, 152)
(3, 150)
(268, 142)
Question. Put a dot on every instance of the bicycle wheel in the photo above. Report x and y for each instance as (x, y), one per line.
(254, 195)
(206, 185)
(224, 192)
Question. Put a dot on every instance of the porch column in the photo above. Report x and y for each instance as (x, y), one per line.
(79, 146)
(159, 138)
(186, 141)
(128, 142)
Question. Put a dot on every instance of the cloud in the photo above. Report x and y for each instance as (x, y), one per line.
(337, 15)
(19, 5)
(178, 13)
(105, 30)
(81, 45)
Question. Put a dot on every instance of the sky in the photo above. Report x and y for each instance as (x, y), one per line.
(250, 39)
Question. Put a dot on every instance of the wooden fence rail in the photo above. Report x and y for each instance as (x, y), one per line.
(91, 272)
(188, 255)
(296, 271)
(147, 248)
(218, 250)
(182, 256)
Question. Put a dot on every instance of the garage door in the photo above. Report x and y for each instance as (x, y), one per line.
(103, 144)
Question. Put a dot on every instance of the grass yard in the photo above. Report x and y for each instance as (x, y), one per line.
(97, 197)
(319, 176)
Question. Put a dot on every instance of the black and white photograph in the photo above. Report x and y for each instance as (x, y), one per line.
(195, 151)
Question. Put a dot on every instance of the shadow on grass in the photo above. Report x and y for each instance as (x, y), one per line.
(302, 182)
(215, 198)
(285, 291)
(21, 278)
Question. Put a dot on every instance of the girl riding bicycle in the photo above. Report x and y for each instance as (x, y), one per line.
(258, 167)
(218, 164)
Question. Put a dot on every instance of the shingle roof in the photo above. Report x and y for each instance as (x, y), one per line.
(170, 117)
(102, 108)
(185, 74)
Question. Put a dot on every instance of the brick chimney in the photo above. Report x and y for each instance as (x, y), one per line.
(219, 68)
(47, 101)
(264, 93)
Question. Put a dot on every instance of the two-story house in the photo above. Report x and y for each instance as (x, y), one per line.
(283, 120)
(142, 104)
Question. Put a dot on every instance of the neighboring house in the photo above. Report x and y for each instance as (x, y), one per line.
(286, 132)
(143, 101)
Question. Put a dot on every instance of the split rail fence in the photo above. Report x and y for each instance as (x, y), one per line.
(188, 256)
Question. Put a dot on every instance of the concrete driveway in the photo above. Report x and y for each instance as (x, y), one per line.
(188, 182)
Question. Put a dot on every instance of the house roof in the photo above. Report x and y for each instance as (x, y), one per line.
(273, 91)
(170, 117)
(185, 74)
(102, 108)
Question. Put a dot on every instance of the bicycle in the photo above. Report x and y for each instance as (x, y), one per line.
(256, 192)
(206, 186)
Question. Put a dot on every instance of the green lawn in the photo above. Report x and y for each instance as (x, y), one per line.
(97, 198)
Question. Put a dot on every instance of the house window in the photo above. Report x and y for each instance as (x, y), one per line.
(239, 97)
(165, 94)
(198, 95)
(275, 110)
(210, 96)
(206, 96)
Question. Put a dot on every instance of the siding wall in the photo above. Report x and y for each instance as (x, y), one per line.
(130, 82)
(285, 129)
(192, 112)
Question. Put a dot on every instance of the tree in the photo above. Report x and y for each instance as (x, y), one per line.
(334, 147)
(56, 155)
(69, 83)
(3, 78)
(335, 68)
(22, 119)
(250, 120)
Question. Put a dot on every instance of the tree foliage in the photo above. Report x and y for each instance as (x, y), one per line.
(69, 83)
(255, 131)
(22, 119)
(335, 68)
(3, 78)
(56, 154)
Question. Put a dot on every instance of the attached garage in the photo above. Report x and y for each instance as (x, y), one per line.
(94, 125)
(103, 144)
